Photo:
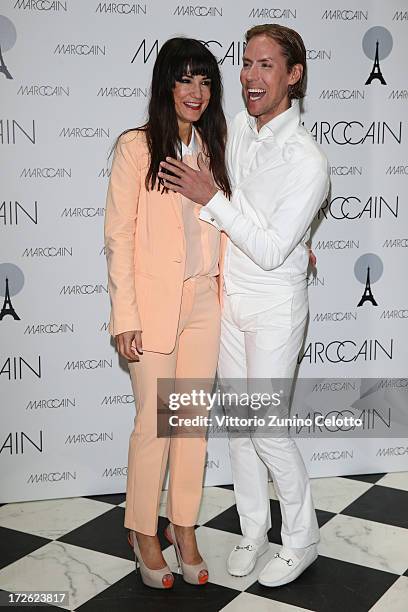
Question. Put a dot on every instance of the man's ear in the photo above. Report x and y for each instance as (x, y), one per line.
(295, 74)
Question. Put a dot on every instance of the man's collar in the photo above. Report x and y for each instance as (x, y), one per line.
(280, 127)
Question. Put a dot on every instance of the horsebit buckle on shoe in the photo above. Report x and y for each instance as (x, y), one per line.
(288, 561)
(247, 547)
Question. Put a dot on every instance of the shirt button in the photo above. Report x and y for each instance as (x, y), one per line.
(212, 219)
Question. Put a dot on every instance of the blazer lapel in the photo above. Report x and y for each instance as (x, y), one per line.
(176, 204)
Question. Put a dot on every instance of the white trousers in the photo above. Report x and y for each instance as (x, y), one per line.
(261, 336)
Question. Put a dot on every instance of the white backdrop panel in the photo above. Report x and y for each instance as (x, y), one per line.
(73, 75)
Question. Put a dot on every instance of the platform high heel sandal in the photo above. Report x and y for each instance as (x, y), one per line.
(155, 578)
(193, 574)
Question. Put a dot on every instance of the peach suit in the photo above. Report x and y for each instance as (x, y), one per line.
(162, 283)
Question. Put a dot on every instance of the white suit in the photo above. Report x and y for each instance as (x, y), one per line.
(279, 179)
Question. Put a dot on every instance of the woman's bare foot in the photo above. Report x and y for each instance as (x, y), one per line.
(188, 544)
(151, 551)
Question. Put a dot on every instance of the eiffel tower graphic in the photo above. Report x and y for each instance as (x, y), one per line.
(3, 67)
(8, 306)
(367, 295)
(376, 70)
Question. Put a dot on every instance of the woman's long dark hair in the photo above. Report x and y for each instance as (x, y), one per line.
(177, 58)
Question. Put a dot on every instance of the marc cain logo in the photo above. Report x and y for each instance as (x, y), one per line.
(377, 45)
(231, 51)
(8, 37)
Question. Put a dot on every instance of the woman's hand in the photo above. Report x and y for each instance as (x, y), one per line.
(129, 344)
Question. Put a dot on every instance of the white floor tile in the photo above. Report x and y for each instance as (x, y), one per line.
(332, 494)
(395, 599)
(63, 567)
(213, 502)
(396, 480)
(245, 602)
(51, 518)
(367, 543)
(335, 494)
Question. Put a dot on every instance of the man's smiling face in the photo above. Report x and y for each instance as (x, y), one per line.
(265, 79)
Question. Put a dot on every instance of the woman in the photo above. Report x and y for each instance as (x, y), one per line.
(165, 316)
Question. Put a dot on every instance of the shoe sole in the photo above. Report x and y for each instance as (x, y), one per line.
(288, 578)
(238, 574)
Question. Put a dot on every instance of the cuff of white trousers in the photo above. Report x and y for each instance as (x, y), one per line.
(301, 541)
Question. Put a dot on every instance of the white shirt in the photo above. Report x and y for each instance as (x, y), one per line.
(192, 147)
(202, 240)
(280, 178)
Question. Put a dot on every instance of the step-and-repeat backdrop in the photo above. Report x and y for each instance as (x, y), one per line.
(73, 75)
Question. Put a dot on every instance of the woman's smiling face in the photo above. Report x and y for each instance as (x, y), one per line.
(191, 97)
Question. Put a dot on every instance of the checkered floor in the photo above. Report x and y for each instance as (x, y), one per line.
(79, 545)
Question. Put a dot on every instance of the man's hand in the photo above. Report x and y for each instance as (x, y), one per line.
(129, 344)
(196, 185)
(312, 258)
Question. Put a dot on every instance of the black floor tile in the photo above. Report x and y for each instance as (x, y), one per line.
(130, 594)
(229, 521)
(373, 478)
(163, 522)
(323, 517)
(329, 585)
(106, 534)
(381, 504)
(226, 521)
(115, 499)
(16, 544)
(274, 534)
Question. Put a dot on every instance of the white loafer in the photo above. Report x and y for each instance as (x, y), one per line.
(286, 565)
(242, 559)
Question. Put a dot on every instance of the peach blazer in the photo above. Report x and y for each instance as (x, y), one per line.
(145, 250)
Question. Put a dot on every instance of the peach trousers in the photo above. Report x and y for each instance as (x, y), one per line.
(195, 356)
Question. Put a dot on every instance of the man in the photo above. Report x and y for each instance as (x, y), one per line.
(279, 178)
